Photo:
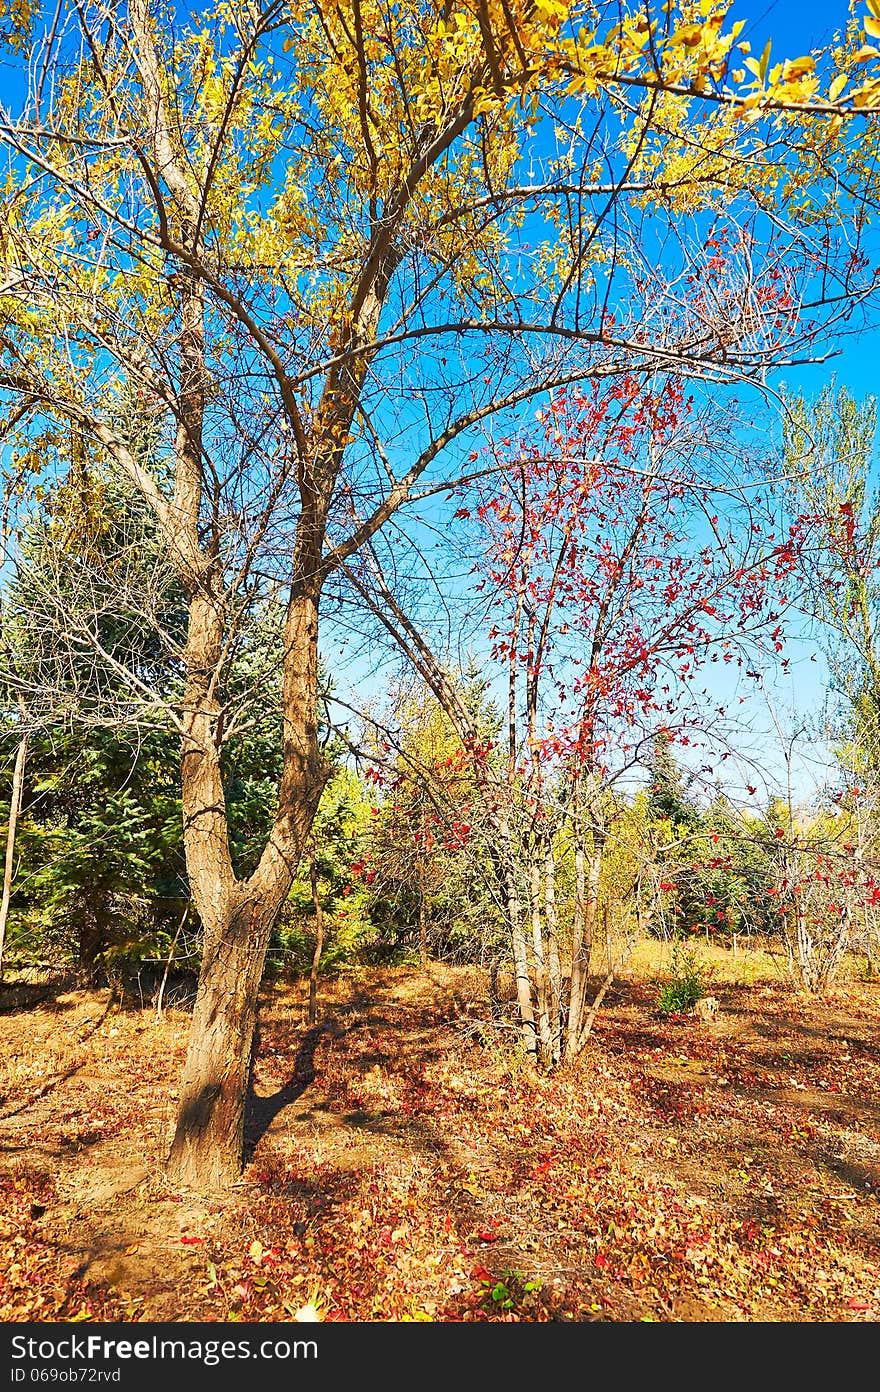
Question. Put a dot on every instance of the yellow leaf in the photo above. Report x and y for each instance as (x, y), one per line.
(867, 94)
(872, 27)
(796, 67)
(837, 86)
(874, 7)
(866, 53)
(553, 10)
(689, 36)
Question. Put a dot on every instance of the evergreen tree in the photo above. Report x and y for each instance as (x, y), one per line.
(668, 789)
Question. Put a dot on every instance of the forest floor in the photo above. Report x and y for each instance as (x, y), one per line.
(404, 1165)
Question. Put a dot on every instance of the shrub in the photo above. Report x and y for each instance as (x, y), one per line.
(686, 985)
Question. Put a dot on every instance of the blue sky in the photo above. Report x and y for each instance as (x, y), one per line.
(797, 27)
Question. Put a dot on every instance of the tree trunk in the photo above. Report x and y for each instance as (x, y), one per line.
(94, 922)
(506, 871)
(586, 907)
(423, 917)
(541, 980)
(207, 1149)
(15, 800)
(206, 1152)
(319, 943)
(555, 967)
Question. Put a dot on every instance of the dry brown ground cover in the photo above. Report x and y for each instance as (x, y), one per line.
(404, 1166)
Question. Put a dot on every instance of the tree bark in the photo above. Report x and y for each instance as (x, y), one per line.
(555, 968)
(319, 943)
(15, 800)
(206, 1152)
(586, 906)
(513, 905)
(542, 985)
(423, 916)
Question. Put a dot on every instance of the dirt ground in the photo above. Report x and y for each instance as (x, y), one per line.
(403, 1164)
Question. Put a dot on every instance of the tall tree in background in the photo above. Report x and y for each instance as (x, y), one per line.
(331, 240)
(101, 847)
(829, 456)
(429, 881)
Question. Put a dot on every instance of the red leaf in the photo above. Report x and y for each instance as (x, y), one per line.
(856, 1304)
(192, 1241)
(487, 1236)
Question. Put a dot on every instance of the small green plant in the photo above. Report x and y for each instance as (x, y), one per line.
(509, 1290)
(686, 985)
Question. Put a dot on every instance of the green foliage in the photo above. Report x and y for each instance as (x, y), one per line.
(339, 839)
(722, 888)
(100, 871)
(426, 863)
(99, 848)
(509, 1291)
(686, 985)
(713, 866)
(668, 795)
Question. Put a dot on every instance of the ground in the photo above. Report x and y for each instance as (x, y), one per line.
(403, 1163)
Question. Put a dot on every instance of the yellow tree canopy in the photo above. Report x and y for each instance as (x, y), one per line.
(332, 240)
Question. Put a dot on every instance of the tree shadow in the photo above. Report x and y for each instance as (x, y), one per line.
(260, 1112)
(27, 995)
(58, 1078)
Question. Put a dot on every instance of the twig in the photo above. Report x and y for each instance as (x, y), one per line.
(164, 980)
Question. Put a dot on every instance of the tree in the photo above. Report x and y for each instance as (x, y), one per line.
(102, 872)
(667, 791)
(15, 800)
(829, 447)
(259, 216)
(601, 612)
(716, 874)
(829, 452)
(102, 813)
(425, 865)
(101, 858)
(322, 890)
